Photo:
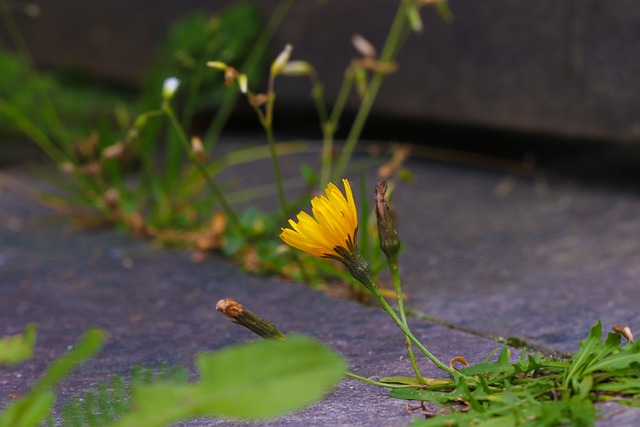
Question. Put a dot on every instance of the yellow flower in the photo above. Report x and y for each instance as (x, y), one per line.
(331, 232)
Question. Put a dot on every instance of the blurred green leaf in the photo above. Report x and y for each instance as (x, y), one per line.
(18, 348)
(252, 381)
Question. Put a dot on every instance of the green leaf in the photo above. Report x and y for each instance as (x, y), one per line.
(18, 348)
(31, 409)
(627, 356)
(253, 381)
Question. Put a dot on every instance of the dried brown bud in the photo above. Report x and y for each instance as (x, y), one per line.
(112, 198)
(197, 148)
(238, 314)
(363, 46)
(625, 331)
(230, 75)
(258, 99)
(114, 151)
(389, 241)
(229, 308)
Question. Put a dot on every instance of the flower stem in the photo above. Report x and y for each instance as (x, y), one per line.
(397, 35)
(331, 125)
(276, 170)
(391, 312)
(249, 66)
(397, 284)
(217, 193)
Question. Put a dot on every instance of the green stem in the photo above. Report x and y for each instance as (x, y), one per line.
(396, 36)
(330, 127)
(276, 170)
(249, 65)
(378, 383)
(20, 43)
(217, 193)
(390, 311)
(397, 284)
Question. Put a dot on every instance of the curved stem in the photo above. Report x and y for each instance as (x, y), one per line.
(331, 125)
(256, 53)
(217, 193)
(390, 311)
(397, 284)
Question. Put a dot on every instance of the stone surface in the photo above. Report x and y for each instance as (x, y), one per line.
(490, 254)
(565, 67)
(158, 307)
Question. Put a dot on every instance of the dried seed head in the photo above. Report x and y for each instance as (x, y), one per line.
(258, 99)
(625, 331)
(114, 151)
(363, 46)
(229, 308)
(230, 75)
(112, 198)
(197, 148)
(67, 167)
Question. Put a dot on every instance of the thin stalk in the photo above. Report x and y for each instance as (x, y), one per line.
(32, 131)
(276, 171)
(256, 53)
(397, 284)
(378, 383)
(331, 126)
(217, 193)
(391, 312)
(396, 36)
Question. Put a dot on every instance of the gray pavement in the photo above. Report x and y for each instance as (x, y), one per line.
(540, 267)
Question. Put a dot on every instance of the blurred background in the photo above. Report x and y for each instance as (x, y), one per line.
(563, 69)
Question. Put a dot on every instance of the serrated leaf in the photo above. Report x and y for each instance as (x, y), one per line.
(252, 381)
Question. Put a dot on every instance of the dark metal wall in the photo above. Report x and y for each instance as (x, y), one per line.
(569, 67)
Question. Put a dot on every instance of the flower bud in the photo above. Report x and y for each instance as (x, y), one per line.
(169, 88)
(389, 241)
(243, 83)
(281, 61)
(297, 68)
(217, 65)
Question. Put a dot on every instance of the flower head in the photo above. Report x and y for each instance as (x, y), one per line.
(331, 230)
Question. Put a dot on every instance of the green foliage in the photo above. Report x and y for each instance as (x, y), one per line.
(18, 348)
(195, 39)
(112, 398)
(31, 409)
(252, 381)
(537, 390)
(273, 376)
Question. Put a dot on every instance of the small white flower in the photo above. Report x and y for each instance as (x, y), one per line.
(169, 88)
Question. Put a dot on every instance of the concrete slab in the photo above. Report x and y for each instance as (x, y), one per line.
(158, 307)
(493, 258)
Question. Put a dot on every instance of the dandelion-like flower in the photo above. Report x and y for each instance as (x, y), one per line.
(331, 231)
